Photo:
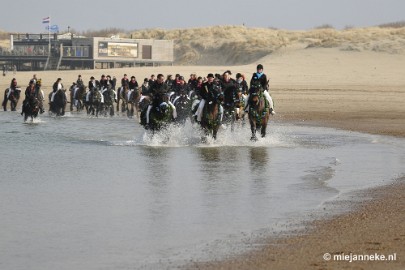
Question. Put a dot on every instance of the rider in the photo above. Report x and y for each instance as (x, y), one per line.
(241, 83)
(40, 95)
(209, 93)
(193, 81)
(30, 94)
(14, 90)
(181, 89)
(228, 86)
(260, 77)
(157, 91)
(133, 83)
(103, 82)
(124, 80)
(93, 83)
(56, 86)
(79, 80)
(72, 89)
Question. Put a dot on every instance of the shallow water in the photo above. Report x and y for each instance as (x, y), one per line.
(99, 193)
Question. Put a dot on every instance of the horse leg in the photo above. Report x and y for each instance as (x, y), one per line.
(214, 132)
(253, 129)
(5, 103)
(263, 131)
(264, 127)
(13, 105)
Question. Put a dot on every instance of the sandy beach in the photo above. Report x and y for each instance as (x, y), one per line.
(357, 91)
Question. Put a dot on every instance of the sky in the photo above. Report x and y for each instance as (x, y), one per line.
(24, 16)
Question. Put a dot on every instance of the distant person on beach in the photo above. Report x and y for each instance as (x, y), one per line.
(124, 80)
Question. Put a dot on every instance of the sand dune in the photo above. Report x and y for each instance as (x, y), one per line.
(236, 45)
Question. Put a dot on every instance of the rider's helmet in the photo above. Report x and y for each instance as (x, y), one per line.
(163, 106)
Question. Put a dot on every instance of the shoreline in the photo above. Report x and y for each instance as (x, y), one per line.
(374, 225)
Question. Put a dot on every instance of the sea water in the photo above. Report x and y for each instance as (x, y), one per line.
(79, 192)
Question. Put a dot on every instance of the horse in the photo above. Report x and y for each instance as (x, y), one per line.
(258, 112)
(211, 118)
(58, 105)
(13, 97)
(30, 108)
(132, 102)
(183, 108)
(109, 97)
(234, 112)
(159, 117)
(123, 95)
(79, 97)
(94, 103)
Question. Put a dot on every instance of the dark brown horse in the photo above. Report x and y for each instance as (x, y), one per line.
(13, 97)
(258, 112)
(210, 120)
(123, 96)
(80, 97)
(132, 100)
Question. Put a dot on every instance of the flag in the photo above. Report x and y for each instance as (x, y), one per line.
(46, 20)
(52, 28)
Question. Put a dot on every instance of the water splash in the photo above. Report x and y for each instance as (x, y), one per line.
(191, 135)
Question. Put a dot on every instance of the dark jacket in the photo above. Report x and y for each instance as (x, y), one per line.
(133, 84)
(210, 91)
(157, 92)
(229, 90)
(262, 79)
(94, 84)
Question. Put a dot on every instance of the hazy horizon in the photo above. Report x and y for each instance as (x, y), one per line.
(128, 15)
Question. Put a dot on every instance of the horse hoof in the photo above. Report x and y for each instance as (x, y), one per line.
(253, 138)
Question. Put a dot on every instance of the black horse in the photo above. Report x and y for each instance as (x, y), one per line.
(234, 112)
(159, 117)
(30, 108)
(109, 98)
(94, 103)
(58, 105)
(183, 108)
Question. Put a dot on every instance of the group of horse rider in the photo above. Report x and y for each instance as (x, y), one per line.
(160, 90)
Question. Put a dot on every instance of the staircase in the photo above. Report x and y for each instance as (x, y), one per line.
(53, 62)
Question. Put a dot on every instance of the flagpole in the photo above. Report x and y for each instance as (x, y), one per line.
(49, 35)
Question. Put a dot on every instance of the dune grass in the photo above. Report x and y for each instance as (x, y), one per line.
(236, 45)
